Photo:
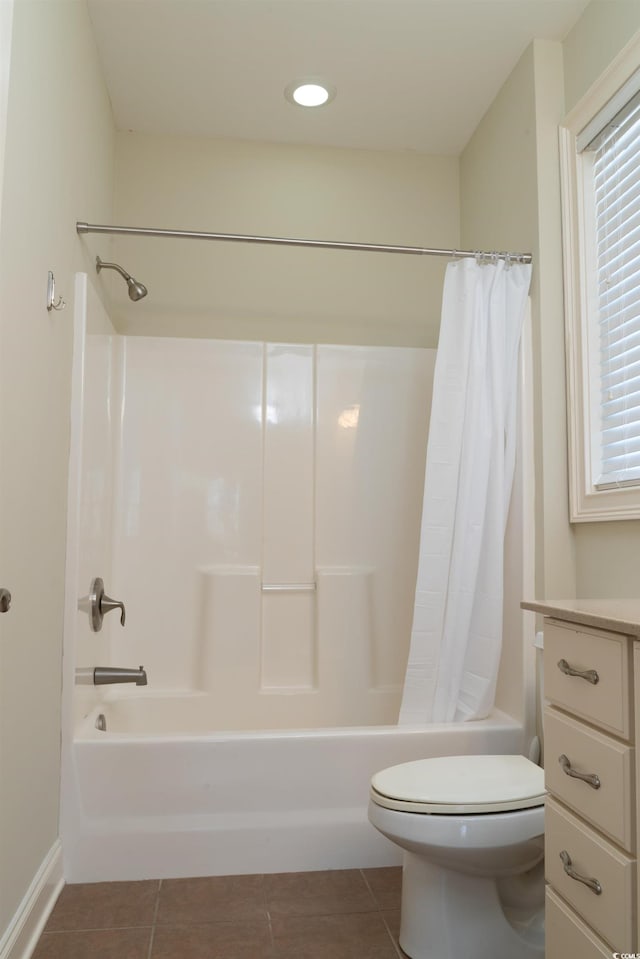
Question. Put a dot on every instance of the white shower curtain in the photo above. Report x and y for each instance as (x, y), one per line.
(457, 626)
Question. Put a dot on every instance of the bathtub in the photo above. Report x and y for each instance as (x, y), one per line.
(159, 795)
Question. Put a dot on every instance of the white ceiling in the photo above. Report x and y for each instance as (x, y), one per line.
(410, 74)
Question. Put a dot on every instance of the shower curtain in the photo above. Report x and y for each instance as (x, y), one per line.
(457, 626)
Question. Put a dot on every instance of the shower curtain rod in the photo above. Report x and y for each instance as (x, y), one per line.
(82, 227)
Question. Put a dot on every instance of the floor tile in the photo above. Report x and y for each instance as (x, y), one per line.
(317, 893)
(336, 914)
(217, 940)
(212, 899)
(359, 936)
(95, 944)
(104, 905)
(386, 885)
(392, 919)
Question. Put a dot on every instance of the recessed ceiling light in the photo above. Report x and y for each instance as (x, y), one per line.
(309, 93)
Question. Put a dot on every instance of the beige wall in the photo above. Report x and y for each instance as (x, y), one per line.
(260, 292)
(606, 553)
(6, 22)
(58, 166)
(509, 194)
(510, 200)
(602, 31)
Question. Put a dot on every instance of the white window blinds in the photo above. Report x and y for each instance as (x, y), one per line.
(616, 173)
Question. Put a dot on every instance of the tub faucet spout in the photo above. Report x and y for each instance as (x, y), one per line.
(103, 675)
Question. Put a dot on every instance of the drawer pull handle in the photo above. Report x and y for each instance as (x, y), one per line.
(593, 884)
(591, 778)
(590, 675)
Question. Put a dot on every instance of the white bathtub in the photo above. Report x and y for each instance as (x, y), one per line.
(157, 795)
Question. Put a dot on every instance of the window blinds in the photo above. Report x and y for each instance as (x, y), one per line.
(616, 173)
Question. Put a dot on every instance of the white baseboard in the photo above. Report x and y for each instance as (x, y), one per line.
(24, 930)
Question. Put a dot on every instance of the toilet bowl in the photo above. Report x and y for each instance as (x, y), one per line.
(471, 828)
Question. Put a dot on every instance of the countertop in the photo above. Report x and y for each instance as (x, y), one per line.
(616, 615)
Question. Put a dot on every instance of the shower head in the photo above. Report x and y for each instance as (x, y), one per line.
(136, 290)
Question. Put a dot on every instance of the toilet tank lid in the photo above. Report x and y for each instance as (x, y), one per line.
(463, 782)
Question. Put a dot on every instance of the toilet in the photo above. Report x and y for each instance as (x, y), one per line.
(471, 828)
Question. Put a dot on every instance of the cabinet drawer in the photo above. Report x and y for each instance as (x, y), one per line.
(611, 806)
(605, 703)
(611, 912)
(566, 935)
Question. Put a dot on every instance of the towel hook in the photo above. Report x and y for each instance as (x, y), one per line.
(52, 303)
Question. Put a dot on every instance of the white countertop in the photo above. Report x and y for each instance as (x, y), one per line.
(616, 615)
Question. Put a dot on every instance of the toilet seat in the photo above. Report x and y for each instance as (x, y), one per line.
(459, 785)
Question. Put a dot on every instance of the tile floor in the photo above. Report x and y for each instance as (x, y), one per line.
(342, 914)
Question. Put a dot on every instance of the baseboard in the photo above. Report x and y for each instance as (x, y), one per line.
(24, 930)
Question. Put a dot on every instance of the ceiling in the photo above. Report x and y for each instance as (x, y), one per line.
(410, 74)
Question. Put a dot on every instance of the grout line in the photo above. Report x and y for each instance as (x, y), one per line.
(332, 913)
(151, 938)
(154, 920)
(265, 901)
(65, 932)
(155, 912)
(396, 945)
(371, 892)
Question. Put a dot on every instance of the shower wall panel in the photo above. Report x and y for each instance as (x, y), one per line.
(189, 493)
(91, 467)
(373, 420)
(289, 469)
(288, 643)
(266, 525)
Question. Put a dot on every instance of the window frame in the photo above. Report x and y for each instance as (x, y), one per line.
(610, 92)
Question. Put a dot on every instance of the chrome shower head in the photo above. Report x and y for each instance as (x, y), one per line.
(136, 290)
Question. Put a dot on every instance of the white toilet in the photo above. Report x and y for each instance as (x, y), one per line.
(471, 828)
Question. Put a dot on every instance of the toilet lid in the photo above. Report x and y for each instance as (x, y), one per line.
(460, 785)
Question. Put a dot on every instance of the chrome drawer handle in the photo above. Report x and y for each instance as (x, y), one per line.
(593, 884)
(590, 675)
(591, 778)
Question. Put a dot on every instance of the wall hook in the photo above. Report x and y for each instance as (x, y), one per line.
(52, 303)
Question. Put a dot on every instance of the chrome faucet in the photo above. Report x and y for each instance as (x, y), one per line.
(102, 675)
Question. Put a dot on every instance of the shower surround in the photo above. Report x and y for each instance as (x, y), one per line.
(262, 521)
(256, 507)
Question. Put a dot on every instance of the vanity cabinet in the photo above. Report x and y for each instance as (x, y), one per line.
(591, 672)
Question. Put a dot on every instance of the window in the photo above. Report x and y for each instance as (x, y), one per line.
(616, 187)
(600, 151)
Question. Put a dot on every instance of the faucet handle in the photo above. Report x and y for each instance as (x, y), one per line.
(5, 600)
(107, 604)
(97, 604)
